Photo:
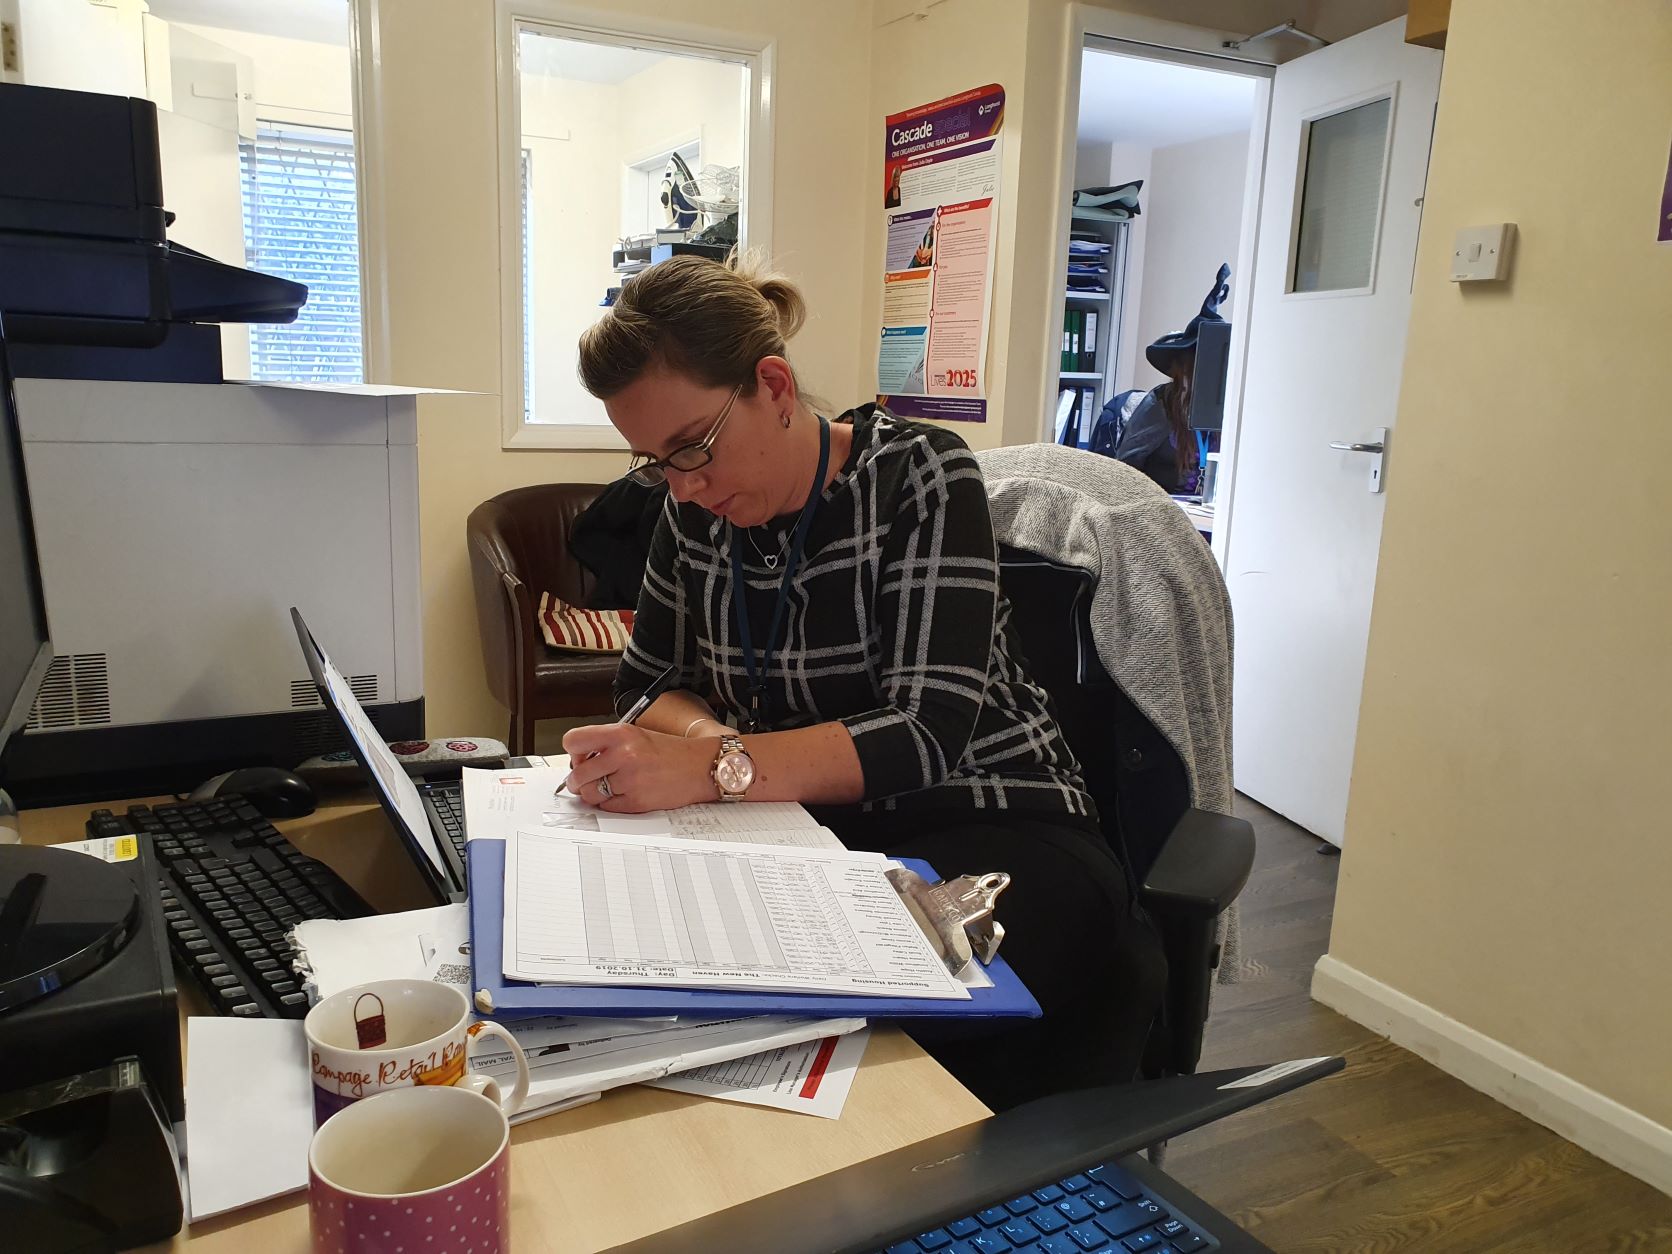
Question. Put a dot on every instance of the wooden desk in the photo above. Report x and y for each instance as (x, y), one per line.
(638, 1162)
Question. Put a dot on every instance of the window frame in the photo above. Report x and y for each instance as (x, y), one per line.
(565, 20)
(1388, 92)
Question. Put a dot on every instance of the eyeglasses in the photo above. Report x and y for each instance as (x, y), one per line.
(687, 457)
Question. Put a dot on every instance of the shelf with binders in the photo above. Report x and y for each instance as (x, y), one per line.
(1095, 273)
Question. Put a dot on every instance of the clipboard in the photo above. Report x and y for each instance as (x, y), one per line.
(502, 998)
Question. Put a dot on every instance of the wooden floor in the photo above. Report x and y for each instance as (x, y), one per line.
(1392, 1154)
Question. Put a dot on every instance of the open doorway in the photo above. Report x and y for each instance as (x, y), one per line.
(1332, 183)
(1165, 149)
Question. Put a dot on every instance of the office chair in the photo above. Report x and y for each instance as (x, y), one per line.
(519, 548)
(1189, 864)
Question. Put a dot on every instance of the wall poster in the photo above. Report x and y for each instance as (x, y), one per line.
(941, 174)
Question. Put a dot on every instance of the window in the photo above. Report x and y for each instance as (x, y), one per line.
(1341, 199)
(301, 222)
(594, 125)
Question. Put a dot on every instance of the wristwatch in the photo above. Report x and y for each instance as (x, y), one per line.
(734, 769)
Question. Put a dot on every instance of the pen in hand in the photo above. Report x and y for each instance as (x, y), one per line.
(647, 698)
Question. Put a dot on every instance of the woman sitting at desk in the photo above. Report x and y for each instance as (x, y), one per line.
(1157, 438)
(834, 584)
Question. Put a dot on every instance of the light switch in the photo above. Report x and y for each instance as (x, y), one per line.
(1482, 252)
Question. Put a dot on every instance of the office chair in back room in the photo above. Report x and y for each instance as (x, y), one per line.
(519, 548)
(1062, 517)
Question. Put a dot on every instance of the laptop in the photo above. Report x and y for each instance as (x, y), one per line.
(1059, 1175)
(429, 817)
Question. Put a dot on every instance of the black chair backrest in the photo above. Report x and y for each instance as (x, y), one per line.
(1133, 774)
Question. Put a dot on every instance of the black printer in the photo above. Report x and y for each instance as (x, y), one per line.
(90, 285)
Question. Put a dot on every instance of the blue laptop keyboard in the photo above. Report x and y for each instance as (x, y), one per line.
(1105, 1208)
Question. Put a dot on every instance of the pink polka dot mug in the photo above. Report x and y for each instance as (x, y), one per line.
(420, 1170)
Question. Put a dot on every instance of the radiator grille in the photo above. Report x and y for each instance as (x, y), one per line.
(305, 696)
(75, 693)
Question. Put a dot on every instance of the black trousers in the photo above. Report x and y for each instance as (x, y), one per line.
(1072, 933)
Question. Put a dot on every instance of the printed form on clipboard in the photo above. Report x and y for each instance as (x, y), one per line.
(499, 803)
(583, 908)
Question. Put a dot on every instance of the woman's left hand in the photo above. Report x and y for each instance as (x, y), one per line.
(645, 770)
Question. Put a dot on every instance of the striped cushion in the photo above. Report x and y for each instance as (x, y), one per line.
(570, 627)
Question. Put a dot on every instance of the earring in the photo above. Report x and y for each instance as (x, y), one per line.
(785, 420)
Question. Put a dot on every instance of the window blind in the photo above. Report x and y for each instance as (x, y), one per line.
(301, 222)
(527, 293)
(1341, 199)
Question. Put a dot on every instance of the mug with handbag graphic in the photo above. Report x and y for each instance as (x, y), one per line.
(398, 1033)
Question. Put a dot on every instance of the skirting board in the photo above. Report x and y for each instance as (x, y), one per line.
(1602, 1126)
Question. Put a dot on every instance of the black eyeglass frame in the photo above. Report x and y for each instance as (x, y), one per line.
(653, 470)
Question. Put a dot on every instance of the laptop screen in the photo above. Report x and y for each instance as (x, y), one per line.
(394, 787)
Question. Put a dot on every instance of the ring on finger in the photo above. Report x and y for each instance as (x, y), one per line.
(604, 789)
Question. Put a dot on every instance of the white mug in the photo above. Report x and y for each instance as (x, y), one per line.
(415, 1032)
(412, 1170)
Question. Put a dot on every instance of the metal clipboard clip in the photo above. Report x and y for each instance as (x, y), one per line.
(956, 915)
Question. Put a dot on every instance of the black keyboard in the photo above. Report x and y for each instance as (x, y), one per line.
(231, 889)
(1102, 1208)
(446, 802)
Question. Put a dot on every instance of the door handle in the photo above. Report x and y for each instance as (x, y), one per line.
(1376, 446)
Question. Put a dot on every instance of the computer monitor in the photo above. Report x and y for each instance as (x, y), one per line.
(1207, 381)
(25, 651)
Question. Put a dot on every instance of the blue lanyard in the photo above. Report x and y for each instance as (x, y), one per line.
(757, 671)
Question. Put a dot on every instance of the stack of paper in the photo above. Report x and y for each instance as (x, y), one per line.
(571, 1060)
(664, 912)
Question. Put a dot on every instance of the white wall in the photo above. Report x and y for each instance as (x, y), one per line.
(680, 97)
(581, 136)
(572, 132)
(295, 80)
(1192, 222)
(81, 46)
(1129, 161)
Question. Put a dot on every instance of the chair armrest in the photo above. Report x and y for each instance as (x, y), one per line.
(1203, 865)
(502, 606)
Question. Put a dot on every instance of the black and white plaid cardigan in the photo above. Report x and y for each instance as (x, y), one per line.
(894, 626)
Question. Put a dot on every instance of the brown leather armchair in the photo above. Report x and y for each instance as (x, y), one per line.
(519, 548)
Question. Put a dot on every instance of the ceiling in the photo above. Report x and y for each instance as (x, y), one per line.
(1155, 103)
(321, 21)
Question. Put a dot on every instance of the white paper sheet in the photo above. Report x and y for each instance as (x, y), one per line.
(813, 1078)
(752, 822)
(429, 945)
(340, 953)
(499, 803)
(666, 912)
(249, 1111)
(637, 1060)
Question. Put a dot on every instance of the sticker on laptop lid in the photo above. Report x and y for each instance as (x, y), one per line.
(1272, 1074)
(106, 848)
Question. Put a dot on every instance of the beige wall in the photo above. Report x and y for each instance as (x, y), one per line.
(1508, 848)
(439, 245)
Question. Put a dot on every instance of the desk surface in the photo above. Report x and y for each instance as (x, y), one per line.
(637, 1162)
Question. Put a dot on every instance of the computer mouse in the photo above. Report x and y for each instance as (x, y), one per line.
(274, 791)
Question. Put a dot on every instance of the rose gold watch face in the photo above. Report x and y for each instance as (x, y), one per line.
(734, 772)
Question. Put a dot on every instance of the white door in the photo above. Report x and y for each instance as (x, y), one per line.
(1347, 156)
